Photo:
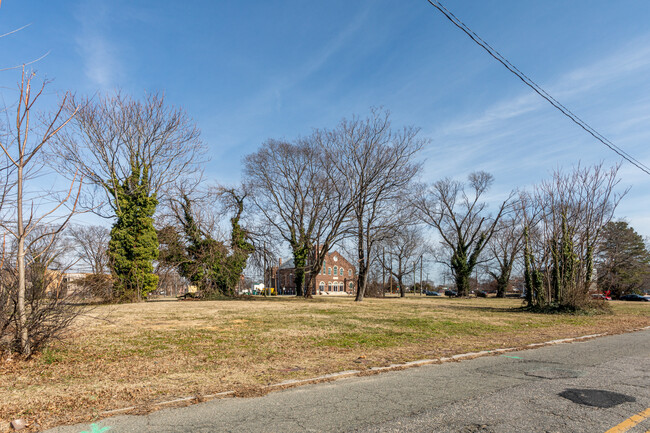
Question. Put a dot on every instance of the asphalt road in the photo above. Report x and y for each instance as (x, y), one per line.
(590, 386)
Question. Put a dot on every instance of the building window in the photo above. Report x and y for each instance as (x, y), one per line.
(336, 270)
(321, 286)
(323, 268)
(329, 286)
(329, 271)
(341, 272)
(349, 272)
(351, 286)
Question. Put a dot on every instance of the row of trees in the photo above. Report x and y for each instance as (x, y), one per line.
(132, 162)
(355, 185)
(342, 184)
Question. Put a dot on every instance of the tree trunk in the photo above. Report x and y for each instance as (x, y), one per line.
(25, 348)
(501, 289)
(300, 252)
(402, 289)
(502, 281)
(299, 279)
(307, 284)
(462, 282)
(361, 282)
(362, 275)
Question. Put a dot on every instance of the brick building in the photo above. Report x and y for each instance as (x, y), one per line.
(337, 277)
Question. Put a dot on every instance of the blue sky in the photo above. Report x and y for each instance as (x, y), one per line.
(248, 71)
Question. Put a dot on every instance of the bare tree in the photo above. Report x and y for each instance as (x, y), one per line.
(564, 217)
(401, 253)
(298, 193)
(91, 246)
(377, 164)
(460, 217)
(345, 181)
(110, 134)
(504, 249)
(22, 146)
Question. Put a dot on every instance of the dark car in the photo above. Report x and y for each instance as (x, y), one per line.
(450, 293)
(481, 294)
(431, 293)
(634, 297)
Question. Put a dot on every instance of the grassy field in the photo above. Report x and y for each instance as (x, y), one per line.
(118, 356)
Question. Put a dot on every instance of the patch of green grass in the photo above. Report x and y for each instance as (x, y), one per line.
(364, 340)
(397, 331)
(428, 326)
(50, 356)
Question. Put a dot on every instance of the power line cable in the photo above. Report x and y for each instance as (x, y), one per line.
(538, 89)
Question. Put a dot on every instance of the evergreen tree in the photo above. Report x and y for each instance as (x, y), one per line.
(134, 242)
(623, 260)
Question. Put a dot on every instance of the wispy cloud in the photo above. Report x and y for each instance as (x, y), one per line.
(270, 98)
(100, 56)
(311, 65)
(523, 117)
(522, 139)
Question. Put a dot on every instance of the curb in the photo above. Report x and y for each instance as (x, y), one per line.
(372, 370)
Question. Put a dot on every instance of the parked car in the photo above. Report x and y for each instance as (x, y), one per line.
(431, 293)
(450, 293)
(634, 297)
(481, 294)
(601, 297)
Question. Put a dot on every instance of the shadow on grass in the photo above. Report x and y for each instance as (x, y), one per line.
(548, 310)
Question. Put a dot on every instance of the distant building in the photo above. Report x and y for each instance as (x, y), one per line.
(337, 277)
(73, 282)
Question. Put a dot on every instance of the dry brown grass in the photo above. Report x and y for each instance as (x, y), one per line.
(140, 354)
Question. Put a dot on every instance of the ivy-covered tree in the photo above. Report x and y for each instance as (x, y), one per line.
(208, 263)
(240, 240)
(623, 260)
(564, 217)
(456, 211)
(134, 242)
(129, 151)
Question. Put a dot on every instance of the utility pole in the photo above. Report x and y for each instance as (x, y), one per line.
(383, 272)
(390, 273)
(265, 267)
(420, 274)
(414, 264)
